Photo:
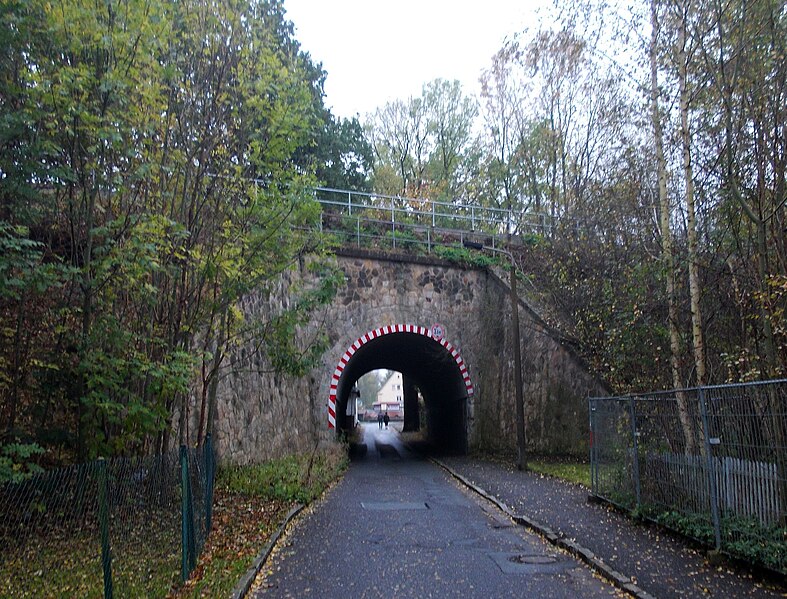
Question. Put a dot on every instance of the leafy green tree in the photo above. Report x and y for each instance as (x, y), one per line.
(370, 384)
(343, 156)
(450, 118)
(420, 143)
(503, 92)
(162, 153)
(399, 136)
(743, 61)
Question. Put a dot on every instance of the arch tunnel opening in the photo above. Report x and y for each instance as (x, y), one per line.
(431, 364)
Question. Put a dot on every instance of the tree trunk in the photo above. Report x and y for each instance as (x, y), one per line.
(668, 257)
(86, 287)
(697, 333)
(218, 358)
(206, 375)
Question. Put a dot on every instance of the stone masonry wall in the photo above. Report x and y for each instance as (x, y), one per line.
(262, 414)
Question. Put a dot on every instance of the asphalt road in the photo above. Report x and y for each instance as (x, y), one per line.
(397, 526)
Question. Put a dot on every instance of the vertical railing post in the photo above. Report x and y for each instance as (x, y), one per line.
(191, 526)
(635, 446)
(714, 494)
(393, 224)
(188, 557)
(103, 518)
(209, 478)
(184, 510)
(593, 440)
(349, 203)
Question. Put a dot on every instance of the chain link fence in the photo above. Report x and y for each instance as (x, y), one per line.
(709, 462)
(126, 527)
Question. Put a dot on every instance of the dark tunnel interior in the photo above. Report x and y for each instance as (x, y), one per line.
(433, 370)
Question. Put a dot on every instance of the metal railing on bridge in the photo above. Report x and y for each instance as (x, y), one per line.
(709, 462)
(363, 218)
(368, 218)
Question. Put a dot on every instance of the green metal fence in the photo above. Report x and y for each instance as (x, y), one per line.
(125, 527)
(709, 462)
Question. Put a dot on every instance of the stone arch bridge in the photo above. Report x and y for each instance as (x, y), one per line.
(384, 317)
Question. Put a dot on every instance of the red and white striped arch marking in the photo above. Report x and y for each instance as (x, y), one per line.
(398, 328)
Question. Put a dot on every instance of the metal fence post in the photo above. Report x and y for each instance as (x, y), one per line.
(209, 477)
(188, 557)
(103, 518)
(593, 462)
(393, 224)
(184, 509)
(191, 526)
(635, 442)
(714, 494)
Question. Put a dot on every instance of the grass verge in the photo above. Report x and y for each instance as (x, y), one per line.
(250, 502)
(573, 472)
(567, 468)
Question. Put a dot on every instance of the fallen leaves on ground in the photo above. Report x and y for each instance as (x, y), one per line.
(241, 527)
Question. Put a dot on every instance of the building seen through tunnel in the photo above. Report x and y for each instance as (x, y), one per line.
(390, 398)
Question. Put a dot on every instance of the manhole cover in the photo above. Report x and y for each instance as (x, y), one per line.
(521, 563)
(532, 559)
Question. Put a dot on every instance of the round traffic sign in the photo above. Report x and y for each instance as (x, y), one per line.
(438, 331)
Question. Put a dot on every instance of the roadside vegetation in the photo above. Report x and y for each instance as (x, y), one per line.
(568, 468)
(250, 503)
(571, 471)
(134, 217)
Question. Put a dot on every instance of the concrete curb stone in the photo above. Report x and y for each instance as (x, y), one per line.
(620, 580)
(244, 584)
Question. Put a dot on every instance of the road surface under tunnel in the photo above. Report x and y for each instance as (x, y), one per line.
(396, 525)
(423, 357)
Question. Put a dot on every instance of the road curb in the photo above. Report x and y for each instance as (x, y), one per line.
(584, 554)
(244, 584)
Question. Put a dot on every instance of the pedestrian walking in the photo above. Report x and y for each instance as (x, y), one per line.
(386, 419)
(380, 420)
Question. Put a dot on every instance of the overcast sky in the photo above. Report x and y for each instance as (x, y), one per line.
(375, 51)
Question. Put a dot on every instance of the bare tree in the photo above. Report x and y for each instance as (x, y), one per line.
(667, 256)
(683, 55)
